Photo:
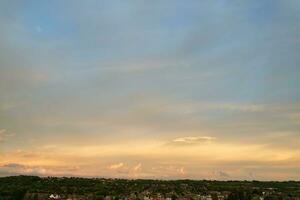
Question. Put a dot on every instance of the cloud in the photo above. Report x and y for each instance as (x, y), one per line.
(181, 171)
(138, 167)
(168, 171)
(238, 107)
(13, 165)
(133, 66)
(9, 169)
(216, 76)
(200, 107)
(122, 168)
(222, 174)
(251, 175)
(16, 168)
(191, 140)
(125, 170)
(4, 135)
(282, 139)
(116, 166)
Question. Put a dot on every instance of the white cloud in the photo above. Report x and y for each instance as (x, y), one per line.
(192, 140)
(181, 171)
(116, 166)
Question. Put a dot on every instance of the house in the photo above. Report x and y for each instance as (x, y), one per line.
(54, 196)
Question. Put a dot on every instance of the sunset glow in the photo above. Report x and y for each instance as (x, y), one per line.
(150, 89)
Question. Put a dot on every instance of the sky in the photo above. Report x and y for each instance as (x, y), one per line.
(150, 89)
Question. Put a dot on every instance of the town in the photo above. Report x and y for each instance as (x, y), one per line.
(63, 188)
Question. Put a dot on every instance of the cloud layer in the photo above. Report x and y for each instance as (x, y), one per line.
(166, 89)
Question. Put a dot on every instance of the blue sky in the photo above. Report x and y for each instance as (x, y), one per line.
(81, 81)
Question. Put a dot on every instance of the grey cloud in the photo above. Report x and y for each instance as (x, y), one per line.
(14, 166)
(222, 174)
(21, 169)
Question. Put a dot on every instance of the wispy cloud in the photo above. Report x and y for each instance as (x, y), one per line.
(191, 140)
(4, 135)
(138, 167)
(200, 107)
